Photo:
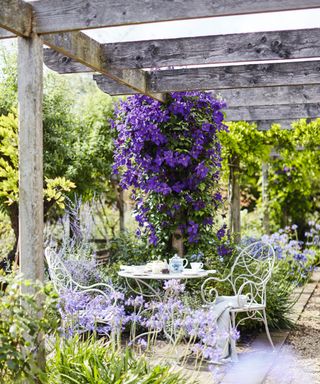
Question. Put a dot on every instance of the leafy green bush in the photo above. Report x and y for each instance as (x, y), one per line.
(22, 330)
(94, 361)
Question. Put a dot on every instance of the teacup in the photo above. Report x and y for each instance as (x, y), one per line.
(196, 266)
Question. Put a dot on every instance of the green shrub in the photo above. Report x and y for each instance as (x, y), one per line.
(22, 330)
(94, 361)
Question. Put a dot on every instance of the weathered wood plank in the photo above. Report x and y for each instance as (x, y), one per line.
(296, 94)
(63, 64)
(255, 113)
(30, 157)
(234, 197)
(235, 76)
(264, 125)
(203, 50)
(16, 17)
(87, 51)
(5, 34)
(61, 15)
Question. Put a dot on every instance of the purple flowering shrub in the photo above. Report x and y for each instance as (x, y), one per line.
(170, 154)
(313, 240)
(292, 252)
(145, 321)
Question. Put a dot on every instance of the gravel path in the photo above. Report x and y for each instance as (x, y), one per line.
(299, 359)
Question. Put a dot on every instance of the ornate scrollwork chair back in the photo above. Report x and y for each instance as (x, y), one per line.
(248, 278)
(62, 279)
(60, 276)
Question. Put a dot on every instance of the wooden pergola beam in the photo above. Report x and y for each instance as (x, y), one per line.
(295, 94)
(275, 45)
(261, 96)
(278, 112)
(60, 15)
(16, 17)
(221, 49)
(87, 51)
(264, 125)
(236, 76)
(5, 34)
(225, 77)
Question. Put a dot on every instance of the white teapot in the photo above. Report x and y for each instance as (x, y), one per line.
(177, 264)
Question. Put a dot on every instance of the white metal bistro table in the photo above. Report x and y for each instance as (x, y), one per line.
(142, 280)
(143, 286)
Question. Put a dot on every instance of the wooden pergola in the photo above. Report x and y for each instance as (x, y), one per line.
(284, 87)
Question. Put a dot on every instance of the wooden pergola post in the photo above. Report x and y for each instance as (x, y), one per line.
(265, 198)
(234, 197)
(30, 86)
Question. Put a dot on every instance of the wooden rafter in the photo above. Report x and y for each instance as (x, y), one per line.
(226, 77)
(298, 94)
(237, 97)
(296, 44)
(275, 45)
(87, 51)
(16, 17)
(61, 15)
(236, 76)
(47, 16)
(5, 34)
(277, 112)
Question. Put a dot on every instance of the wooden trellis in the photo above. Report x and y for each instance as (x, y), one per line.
(263, 92)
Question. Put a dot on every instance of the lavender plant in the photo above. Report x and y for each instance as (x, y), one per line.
(170, 155)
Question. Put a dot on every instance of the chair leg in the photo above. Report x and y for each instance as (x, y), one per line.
(267, 328)
(234, 356)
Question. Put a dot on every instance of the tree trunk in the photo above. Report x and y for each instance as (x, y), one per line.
(234, 197)
(177, 242)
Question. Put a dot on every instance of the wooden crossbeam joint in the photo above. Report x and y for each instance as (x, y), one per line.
(88, 52)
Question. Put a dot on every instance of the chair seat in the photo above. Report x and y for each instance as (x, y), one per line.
(248, 307)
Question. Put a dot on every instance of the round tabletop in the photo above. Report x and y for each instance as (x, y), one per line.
(186, 274)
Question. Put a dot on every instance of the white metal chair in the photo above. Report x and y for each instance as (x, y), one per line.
(62, 281)
(248, 279)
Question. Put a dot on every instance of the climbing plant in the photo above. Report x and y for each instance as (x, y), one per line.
(170, 154)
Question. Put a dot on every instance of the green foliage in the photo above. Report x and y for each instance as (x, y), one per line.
(96, 362)
(6, 235)
(9, 189)
(22, 330)
(294, 176)
(78, 141)
(244, 140)
(8, 82)
(294, 168)
(55, 189)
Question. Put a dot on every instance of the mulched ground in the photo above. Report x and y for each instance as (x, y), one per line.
(299, 360)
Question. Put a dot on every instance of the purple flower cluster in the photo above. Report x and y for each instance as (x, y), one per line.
(82, 311)
(170, 154)
(313, 234)
(288, 247)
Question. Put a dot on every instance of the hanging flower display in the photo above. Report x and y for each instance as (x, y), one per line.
(170, 155)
